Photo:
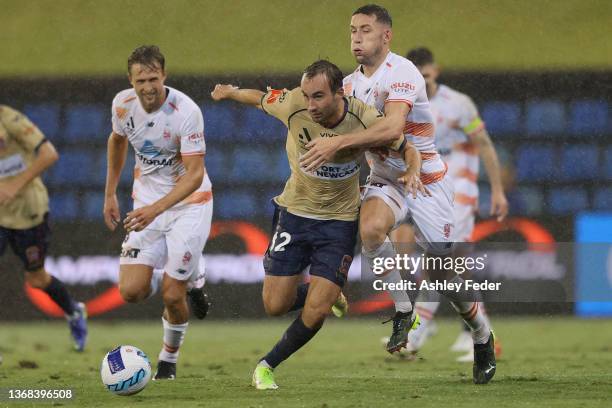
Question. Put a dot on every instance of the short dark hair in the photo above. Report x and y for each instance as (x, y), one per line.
(420, 56)
(331, 71)
(148, 55)
(380, 12)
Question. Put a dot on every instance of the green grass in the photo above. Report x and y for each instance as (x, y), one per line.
(66, 37)
(553, 362)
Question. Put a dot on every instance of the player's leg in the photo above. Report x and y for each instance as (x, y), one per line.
(31, 246)
(381, 209)
(427, 302)
(434, 220)
(197, 297)
(331, 246)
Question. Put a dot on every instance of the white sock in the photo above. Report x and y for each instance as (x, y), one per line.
(400, 297)
(174, 334)
(470, 312)
(264, 363)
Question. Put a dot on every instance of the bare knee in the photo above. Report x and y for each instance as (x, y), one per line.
(38, 279)
(275, 306)
(173, 297)
(133, 293)
(373, 232)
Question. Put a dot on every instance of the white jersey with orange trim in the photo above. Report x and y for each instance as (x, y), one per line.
(160, 139)
(398, 80)
(457, 119)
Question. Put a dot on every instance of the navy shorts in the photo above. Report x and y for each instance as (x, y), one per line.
(327, 246)
(30, 245)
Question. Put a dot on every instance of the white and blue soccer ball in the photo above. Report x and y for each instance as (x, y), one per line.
(125, 370)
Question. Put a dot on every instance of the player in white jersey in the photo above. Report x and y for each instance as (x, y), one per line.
(461, 138)
(391, 82)
(170, 223)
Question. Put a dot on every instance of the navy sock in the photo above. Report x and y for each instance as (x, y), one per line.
(57, 291)
(294, 338)
(300, 300)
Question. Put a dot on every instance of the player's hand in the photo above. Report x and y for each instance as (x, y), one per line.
(222, 91)
(138, 219)
(112, 216)
(499, 205)
(8, 191)
(413, 185)
(321, 150)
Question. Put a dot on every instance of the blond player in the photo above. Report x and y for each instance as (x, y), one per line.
(391, 82)
(170, 223)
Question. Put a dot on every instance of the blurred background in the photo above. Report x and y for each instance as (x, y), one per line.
(539, 71)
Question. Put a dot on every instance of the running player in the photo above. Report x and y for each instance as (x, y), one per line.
(391, 82)
(24, 211)
(461, 138)
(315, 223)
(170, 223)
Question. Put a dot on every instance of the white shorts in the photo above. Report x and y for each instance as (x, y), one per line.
(465, 218)
(433, 217)
(174, 242)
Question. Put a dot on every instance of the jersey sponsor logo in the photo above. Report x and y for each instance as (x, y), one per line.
(335, 171)
(11, 166)
(154, 162)
(403, 87)
(276, 94)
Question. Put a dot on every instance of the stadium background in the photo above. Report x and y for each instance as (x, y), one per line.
(540, 72)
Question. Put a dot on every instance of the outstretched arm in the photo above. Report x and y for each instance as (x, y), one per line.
(247, 96)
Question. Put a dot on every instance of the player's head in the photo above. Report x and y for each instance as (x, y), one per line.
(322, 89)
(424, 60)
(146, 72)
(370, 33)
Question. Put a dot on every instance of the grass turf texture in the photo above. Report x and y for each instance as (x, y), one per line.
(65, 37)
(552, 362)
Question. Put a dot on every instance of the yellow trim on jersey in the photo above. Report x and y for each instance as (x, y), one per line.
(474, 125)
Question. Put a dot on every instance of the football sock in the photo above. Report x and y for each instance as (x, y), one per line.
(57, 291)
(300, 300)
(400, 297)
(293, 339)
(174, 334)
(469, 311)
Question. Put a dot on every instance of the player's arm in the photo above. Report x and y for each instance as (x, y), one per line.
(385, 131)
(499, 203)
(31, 138)
(138, 219)
(411, 179)
(117, 148)
(246, 96)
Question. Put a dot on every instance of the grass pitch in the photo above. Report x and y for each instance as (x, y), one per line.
(547, 362)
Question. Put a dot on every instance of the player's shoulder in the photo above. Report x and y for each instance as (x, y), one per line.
(180, 103)
(402, 69)
(125, 97)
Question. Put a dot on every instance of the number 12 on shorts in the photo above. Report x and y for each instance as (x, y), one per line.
(285, 237)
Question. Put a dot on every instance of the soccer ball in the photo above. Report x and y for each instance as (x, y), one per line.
(125, 370)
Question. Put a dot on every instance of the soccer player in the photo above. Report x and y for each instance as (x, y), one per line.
(393, 84)
(461, 138)
(172, 214)
(24, 211)
(315, 222)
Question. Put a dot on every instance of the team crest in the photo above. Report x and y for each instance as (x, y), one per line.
(186, 258)
(447, 229)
